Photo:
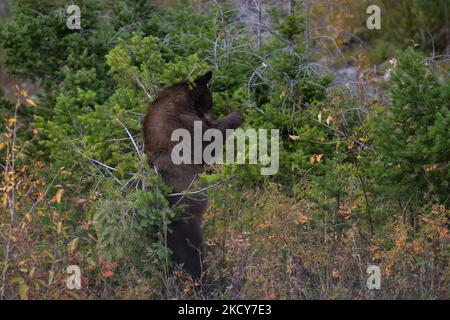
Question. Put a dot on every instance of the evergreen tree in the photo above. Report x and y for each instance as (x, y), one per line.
(412, 137)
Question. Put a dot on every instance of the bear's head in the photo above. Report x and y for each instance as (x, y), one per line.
(201, 95)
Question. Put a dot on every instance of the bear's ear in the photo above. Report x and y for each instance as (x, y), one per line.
(203, 80)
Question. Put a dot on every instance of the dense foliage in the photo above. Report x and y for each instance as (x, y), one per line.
(412, 137)
(77, 189)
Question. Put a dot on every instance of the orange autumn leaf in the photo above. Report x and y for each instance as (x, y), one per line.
(58, 195)
(303, 219)
(315, 158)
(31, 102)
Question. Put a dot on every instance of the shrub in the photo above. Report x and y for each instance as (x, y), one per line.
(411, 137)
(134, 226)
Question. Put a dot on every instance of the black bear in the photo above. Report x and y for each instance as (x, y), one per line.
(177, 107)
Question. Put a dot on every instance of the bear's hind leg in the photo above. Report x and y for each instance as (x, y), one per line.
(185, 241)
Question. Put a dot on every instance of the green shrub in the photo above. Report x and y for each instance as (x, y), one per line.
(132, 226)
(411, 137)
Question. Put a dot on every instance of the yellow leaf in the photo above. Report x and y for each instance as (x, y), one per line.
(329, 119)
(5, 199)
(23, 291)
(58, 227)
(2, 145)
(350, 145)
(51, 274)
(59, 195)
(31, 102)
(73, 244)
(24, 92)
(315, 158)
(319, 117)
(32, 271)
(16, 279)
(11, 121)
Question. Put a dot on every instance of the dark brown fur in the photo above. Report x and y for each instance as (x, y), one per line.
(178, 107)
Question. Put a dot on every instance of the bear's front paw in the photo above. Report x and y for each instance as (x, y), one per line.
(235, 119)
